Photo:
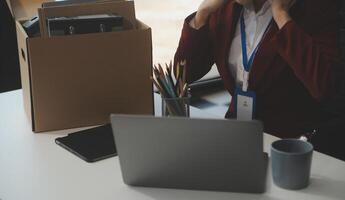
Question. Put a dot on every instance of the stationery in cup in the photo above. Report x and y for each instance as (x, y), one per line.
(173, 89)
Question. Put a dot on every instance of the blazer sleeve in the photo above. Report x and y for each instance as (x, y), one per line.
(195, 47)
(312, 56)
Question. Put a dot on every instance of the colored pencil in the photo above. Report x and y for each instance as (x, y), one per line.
(171, 85)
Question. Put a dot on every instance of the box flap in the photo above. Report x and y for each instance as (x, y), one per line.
(24, 9)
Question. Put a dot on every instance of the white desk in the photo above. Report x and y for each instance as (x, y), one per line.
(33, 167)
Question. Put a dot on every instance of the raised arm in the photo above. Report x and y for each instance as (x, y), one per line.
(313, 55)
(195, 44)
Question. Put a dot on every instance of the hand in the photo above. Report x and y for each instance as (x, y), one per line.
(206, 8)
(280, 10)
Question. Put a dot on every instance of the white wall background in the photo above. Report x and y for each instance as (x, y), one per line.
(165, 17)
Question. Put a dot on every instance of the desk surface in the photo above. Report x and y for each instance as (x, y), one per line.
(33, 167)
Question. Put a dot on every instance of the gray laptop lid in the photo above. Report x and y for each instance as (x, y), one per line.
(183, 153)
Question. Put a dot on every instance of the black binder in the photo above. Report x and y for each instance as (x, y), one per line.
(90, 145)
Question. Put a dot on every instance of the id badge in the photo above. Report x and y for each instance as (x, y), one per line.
(245, 103)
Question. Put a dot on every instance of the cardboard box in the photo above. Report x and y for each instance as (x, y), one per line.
(78, 80)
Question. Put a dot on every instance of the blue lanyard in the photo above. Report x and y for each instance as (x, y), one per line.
(247, 64)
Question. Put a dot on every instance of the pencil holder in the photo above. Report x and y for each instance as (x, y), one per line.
(178, 107)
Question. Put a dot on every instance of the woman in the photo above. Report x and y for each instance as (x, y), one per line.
(294, 48)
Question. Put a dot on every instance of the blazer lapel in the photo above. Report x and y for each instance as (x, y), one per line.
(266, 54)
(263, 59)
(229, 22)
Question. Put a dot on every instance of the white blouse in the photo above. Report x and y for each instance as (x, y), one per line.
(256, 25)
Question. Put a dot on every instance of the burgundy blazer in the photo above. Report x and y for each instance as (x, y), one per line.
(293, 71)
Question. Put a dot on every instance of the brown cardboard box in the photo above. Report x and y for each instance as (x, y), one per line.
(78, 80)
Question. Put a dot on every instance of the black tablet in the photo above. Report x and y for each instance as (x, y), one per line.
(90, 145)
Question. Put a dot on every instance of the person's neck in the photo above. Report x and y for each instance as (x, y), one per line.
(256, 5)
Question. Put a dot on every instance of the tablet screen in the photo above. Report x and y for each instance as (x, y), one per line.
(91, 145)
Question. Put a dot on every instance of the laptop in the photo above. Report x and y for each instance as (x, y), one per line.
(196, 154)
